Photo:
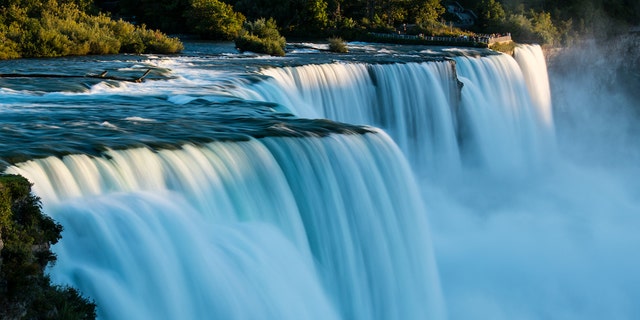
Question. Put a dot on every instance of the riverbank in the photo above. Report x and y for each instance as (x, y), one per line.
(26, 237)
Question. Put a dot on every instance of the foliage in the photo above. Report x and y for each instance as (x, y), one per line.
(154, 41)
(294, 16)
(337, 45)
(543, 28)
(212, 19)
(426, 12)
(316, 11)
(491, 16)
(520, 27)
(8, 48)
(440, 29)
(506, 47)
(29, 28)
(52, 29)
(26, 234)
(533, 27)
(261, 36)
(552, 22)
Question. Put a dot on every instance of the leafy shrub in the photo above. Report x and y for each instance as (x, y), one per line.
(53, 29)
(337, 45)
(261, 36)
(155, 41)
(534, 27)
(505, 47)
(8, 48)
(25, 291)
(212, 19)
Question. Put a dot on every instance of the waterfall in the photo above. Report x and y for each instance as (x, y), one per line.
(273, 223)
(500, 124)
(414, 102)
(499, 119)
(275, 228)
(534, 68)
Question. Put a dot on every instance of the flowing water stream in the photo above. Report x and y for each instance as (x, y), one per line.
(393, 182)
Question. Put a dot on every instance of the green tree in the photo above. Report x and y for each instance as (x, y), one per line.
(491, 15)
(543, 28)
(534, 27)
(520, 28)
(261, 36)
(427, 12)
(213, 19)
(26, 236)
(316, 15)
(52, 28)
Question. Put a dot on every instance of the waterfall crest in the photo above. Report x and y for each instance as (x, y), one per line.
(281, 228)
(414, 102)
(500, 127)
(283, 216)
(499, 118)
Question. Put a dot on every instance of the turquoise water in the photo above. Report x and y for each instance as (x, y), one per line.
(389, 183)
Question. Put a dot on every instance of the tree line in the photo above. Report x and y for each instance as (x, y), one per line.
(30, 28)
(52, 28)
(555, 22)
(542, 21)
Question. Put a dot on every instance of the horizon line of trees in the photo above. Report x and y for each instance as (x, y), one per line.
(542, 21)
(30, 28)
(54, 28)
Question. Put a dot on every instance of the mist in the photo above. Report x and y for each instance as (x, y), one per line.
(597, 101)
(559, 242)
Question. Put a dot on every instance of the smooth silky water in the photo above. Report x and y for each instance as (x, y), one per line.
(388, 183)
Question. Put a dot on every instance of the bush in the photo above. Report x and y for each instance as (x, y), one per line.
(534, 27)
(337, 45)
(212, 19)
(8, 48)
(25, 291)
(505, 47)
(55, 29)
(261, 36)
(154, 41)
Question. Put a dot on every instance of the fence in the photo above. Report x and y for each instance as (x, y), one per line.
(484, 39)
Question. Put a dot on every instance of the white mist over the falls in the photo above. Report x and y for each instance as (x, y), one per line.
(556, 241)
(484, 188)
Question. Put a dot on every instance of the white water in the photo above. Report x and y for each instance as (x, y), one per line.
(495, 124)
(501, 130)
(522, 228)
(277, 228)
(553, 241)
(532, 63)
(521, 231)
(414, 102)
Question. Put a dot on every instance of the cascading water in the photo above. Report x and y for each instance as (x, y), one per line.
(210, 202)
(277, 228)
(494, 121)
(414, 102)
(534, 68)
(500, 127)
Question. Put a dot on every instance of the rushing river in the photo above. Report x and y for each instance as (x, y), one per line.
(392, 182)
